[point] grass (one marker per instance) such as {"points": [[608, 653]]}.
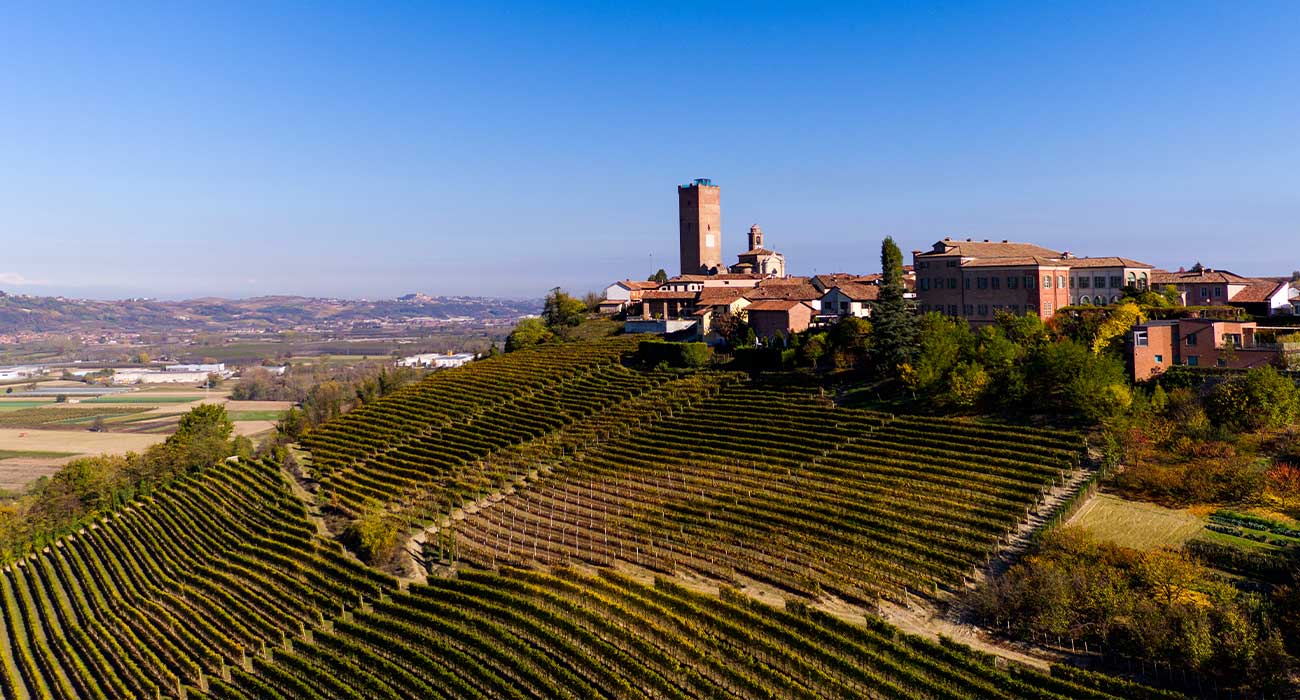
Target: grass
{"points": [[1142, 526], [15, 405], [10, 454], [256, 415], [144, 398]]}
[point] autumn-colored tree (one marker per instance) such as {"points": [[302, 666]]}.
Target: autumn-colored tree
{"points": [[1118, 322]]}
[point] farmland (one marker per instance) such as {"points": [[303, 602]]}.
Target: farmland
{"points": [[567, 504]]}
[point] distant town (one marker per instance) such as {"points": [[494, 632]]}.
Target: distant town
{"points": [[1217, 317]]}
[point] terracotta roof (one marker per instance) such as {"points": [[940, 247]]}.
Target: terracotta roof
{"points": [[773, 305], [771, 281], [1018, 261], [798, 291], [858, 291], [1258, 290], [758, 251], [717, 296], [1206, 276], [989, 249], [1111, 261], [668, 295], [736, 276]]}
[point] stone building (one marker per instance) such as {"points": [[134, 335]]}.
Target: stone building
{"points": [[978, 279], [758, 259], [699, 208]]}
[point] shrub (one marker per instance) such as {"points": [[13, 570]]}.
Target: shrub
{"points": [[1261, 398], [654, 352]]}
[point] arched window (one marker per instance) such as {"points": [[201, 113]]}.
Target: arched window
{"points": [[1100, 300], [1132, 277], [1083, 301], [1114, 299], [1142, 281]]}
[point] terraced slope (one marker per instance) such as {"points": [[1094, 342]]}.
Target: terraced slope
{"points": [[776, 486], [218, 586]]}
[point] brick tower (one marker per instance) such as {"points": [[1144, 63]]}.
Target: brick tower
{"points": [[699, 207]]}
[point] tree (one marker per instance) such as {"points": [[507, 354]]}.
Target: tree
{"points": [[658, 277], [1119, 321], [527, 333], [97, 425], [893, 322], [591, 300], [943, 342], [141, 358], [732, 328], [1261, 398], [562, 310]]}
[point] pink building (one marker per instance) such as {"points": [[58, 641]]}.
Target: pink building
{"points": [[1198, 342]]}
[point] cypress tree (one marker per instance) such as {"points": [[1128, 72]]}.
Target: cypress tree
{"points": [[893, 323]]}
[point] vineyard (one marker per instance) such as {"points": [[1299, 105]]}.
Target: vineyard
{"points": [[218, 587], [61, 416], [564, 493]]}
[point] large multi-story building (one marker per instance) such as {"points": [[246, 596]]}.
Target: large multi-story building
{"points": [[977, 280], [699, 208], [1101, 281], [1203, 342]]}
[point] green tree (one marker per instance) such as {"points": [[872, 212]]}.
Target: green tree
{"points": [[894, 324], [562, 310], [527, 333], [1261, 398], [658, 277], [943, 342]]}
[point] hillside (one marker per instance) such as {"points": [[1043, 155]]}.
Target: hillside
{"points": [[220, 585], [20, 313]]}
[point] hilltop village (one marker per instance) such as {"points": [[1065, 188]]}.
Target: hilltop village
{"points": [[975, 280]]}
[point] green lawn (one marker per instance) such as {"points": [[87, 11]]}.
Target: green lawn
{"points": [[256, 415], [1137, 525], [10, 454], [144, 398]]}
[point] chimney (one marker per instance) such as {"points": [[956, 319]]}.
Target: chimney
{"points": [[1180, 269], [1005, 240], [986, 240]]}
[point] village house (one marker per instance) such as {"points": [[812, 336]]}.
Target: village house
{"points": [[772, 318], [849, 299], [1201, 342], [623, 294]]}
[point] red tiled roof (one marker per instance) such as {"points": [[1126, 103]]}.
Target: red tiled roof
{"points": [[773, 305], [717, 296], [1206, 276], [1258, 290], [798, 291], [668, 296], [858, 291], [1018, 261], [989, 249], [1111, 261]]}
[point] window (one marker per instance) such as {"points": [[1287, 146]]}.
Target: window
{"points": [[952, 309], [1205, 292], [844, 307], [968, 310], [1222, 362], [1160, 359], [1047, 308], [995, 281], [1234, 338], [1099, 282], [924, 265], [966, 282], [952, 263], [984, 310], [1140, 340], [1047, 281], [1029, 281], [1142, 281], [1218, 291], [982, 282], [1116, 281], [1193, 361], [1072, 281], [1011, 282], [925, 283], [1191, 339], [952, 283], [1060, 281], [1085, 283]]}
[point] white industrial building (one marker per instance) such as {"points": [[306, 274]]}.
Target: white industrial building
{"points": [[212, 367], [434, 360]]}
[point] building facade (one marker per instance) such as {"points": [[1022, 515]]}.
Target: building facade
{"points": [[1101, 281], [1198, 342], [699, 208], [977, 280], [758, 259]]}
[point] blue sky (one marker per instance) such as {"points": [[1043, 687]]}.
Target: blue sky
{"points": [[371, 149]]}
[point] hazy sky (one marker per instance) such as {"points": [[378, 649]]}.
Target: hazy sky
{"points": [[371, 149]]}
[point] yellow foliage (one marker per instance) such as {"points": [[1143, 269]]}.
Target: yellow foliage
{"points": [[1119, 321]]}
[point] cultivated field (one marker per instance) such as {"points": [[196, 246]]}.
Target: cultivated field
{"points": [[1137, 525]]}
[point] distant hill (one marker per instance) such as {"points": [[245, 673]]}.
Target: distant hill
{"points": [[54, 314]]}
